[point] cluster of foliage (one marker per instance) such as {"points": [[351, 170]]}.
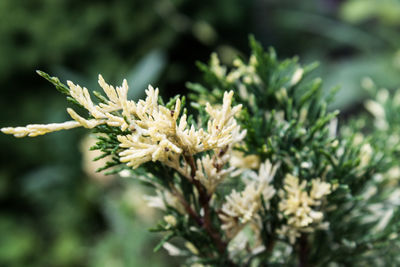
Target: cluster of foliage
{"points": [[350, 38], [74, 40], [361, 209], [266, 178]]}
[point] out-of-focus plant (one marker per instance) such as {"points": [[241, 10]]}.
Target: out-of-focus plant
{"points": [[350, 38], [86, 37], [357, 11], [261, 175]]}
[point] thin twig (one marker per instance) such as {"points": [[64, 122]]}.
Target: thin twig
{"points": [[303, 251], [186, 205], [204, 199]]}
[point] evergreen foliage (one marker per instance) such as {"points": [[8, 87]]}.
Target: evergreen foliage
{"points": [[296, 190]]}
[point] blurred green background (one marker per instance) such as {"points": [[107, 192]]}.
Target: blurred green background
{"points": [[55, 211]]}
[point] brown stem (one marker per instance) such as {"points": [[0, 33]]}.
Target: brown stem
{"points": [[221, 153], [186, 205], [303, 251], [204, 199], [270, 246]]}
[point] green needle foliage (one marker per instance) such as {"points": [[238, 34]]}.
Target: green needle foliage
{"points": [[267, 179]]}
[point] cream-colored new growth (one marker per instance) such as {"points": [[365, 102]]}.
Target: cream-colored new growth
{"points": [[210, 171], [242, 207], [152, 130], [299, 206], [33, 130]]}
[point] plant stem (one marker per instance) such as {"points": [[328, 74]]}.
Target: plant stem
{"points": [[204, 200], [186, 205], [303, 251]]}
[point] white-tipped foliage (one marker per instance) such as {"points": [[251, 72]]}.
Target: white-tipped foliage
{"points": [[154, 133]]}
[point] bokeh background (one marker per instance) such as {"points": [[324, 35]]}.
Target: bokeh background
{"points": [[54, 209]]}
